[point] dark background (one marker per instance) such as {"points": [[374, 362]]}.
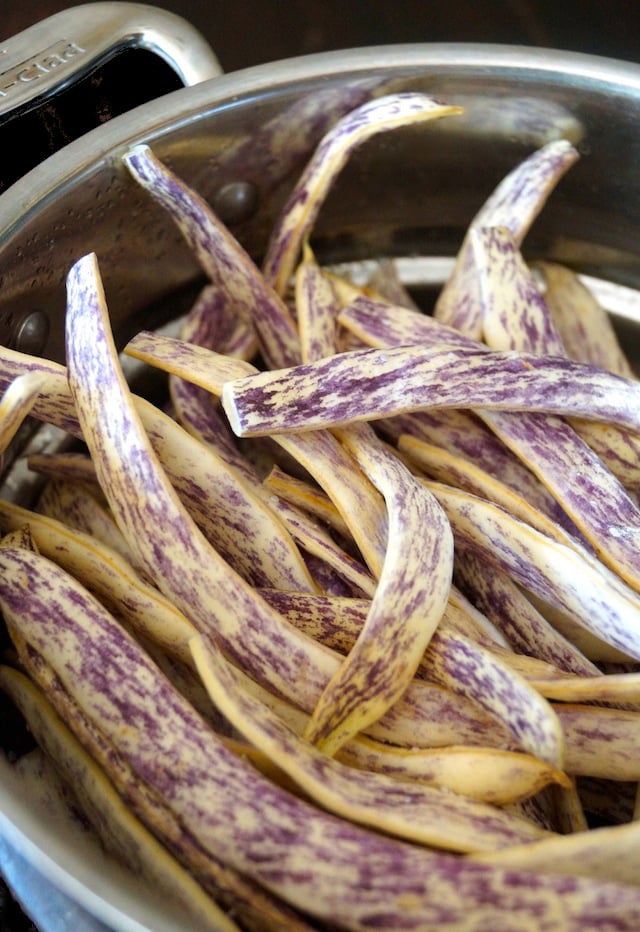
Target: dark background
{"points": [[249, 32]]}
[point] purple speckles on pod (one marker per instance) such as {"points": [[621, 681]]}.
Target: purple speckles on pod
{"points": [[515, 316], [300, 212], [566, 577], [371, 383], [514, 204], [471, 670], [234, 812], [229, 267], [415, 580]]}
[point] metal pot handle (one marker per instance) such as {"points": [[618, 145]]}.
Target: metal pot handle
{"points": [[78, 68]]}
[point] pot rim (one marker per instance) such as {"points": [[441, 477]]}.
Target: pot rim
{"points": [[191, 103]]}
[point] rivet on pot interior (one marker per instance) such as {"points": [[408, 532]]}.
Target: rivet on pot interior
{"points": [[31, 333], [236, 201]]}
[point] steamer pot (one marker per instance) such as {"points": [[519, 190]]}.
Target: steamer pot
{"points": [[410, 193], [240, 139]]}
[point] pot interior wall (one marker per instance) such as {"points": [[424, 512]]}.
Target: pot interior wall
{"points": [[407, 193]]}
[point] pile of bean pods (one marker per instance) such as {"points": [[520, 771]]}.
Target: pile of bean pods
{"points": [[347, 635]]}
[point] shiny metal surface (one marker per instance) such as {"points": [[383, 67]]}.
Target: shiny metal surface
{"points": [[66, 74], [46, 56], [407, 193]]}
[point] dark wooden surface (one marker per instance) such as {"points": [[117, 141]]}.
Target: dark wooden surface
{"points": [[248, 32]]}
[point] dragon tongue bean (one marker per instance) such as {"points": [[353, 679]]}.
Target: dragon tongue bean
{"points": [[278, 676]]}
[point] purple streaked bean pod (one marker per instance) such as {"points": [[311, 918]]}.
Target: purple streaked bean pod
{"points": [[386, 282], [72, 466], [380, 324], [467, 668], [611, 852], [371, 383], [600, 742], [488, 774], [53, 406], [82, 509], [618, 449], [298, 215], [212, 322], [516, 317], [341, 873], [526, 629], [316, 310], [268, 154], [408, 604], [226, 263], [569, 580], [414, 811], [148, 347], [586, 329], [514, 204], [16, 403], [514, 312], [587, 490], [614, 688]]}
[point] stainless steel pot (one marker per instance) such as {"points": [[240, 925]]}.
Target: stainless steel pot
{"points": [[410, 193], [240, 140]]}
